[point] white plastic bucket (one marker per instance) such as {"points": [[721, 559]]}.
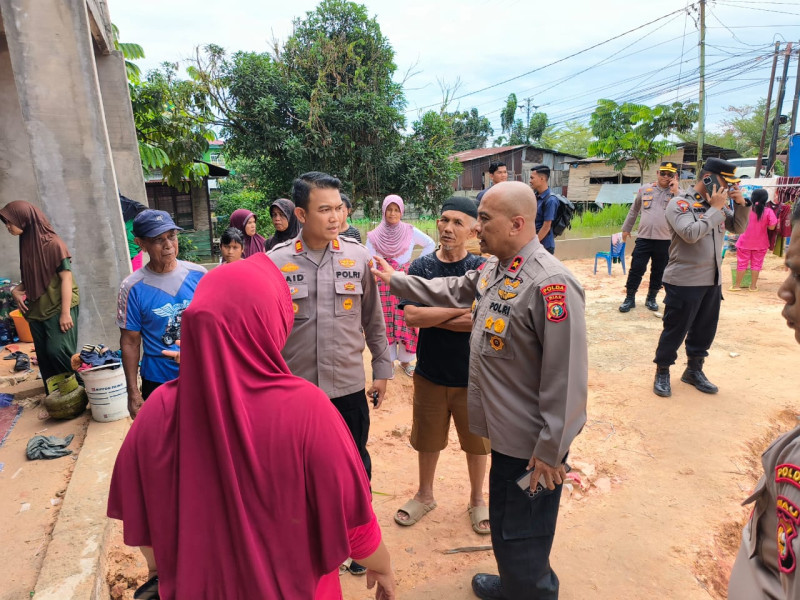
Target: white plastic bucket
{"points": [[107, 391]]}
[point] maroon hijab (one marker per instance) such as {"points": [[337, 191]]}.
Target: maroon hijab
{"points": [[40, 249], [253, 244], [242, 477]]}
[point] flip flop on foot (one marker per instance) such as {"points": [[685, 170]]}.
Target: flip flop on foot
{"points": [[408, 368], [734, 288], [478, 515], [415, 511]]}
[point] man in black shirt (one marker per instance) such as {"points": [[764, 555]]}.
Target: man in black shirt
{"points": [[440, 379]]}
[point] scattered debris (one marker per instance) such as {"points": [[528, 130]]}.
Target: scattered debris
{"points": [[468, 549], [24, 506], [733, 354]]}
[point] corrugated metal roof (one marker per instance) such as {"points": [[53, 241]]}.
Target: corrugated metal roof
{"points": [[468, 155]]}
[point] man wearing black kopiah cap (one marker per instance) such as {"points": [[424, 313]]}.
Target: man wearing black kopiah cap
{"points": [[440, 379], [652, 242], [693, 277], [150, 304]]}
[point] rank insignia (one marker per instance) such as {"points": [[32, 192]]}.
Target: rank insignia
{"points": [[347, 262], [335, 245], [347, 304], [506, 295], [298, 247], [788, 516], [289, 267], [496, 343], [697, 205], [499, 325], [295, 307], [649, 190], [683, 205], [480, 267], [516, 264], [483, 283], [350, 286], [489, 323], [474, 304]]}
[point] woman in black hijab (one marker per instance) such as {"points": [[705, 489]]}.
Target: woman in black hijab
{"points": [[286, 224]]}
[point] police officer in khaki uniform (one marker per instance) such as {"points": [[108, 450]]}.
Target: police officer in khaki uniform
{"points": [[652, 243], [693, 277], [527, 387], [766, 566], [336, 306]]}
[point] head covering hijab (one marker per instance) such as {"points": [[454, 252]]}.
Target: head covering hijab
{"points": [[242, 477], [40, 249], [287, 208], [253, 244], [390, 241]]}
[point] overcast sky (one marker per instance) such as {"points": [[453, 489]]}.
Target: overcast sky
{"points": [[484, 43]]}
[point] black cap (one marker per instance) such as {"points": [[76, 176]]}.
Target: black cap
{"points": [[461, 204], [668, 165], [722, 167]]}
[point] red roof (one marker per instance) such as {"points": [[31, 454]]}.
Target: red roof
{"points": [[467, 155]]}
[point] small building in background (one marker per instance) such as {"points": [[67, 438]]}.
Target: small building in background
{"points": [[594, 181], [191, 209], [519, 161]]}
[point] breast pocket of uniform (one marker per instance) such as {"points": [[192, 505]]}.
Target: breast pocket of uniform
{"points": [[647, 202], [348, 298], [497, 335], [300, 307]]}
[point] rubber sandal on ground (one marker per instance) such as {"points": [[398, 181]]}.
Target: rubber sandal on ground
{"points": [[356, 569], [479, 514], [753, 289], [23, 362], [415, 511], [734, 288], [408, 368], [148, 590]]}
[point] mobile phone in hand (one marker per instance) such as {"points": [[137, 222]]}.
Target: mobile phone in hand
{"points": [[709, 183], [524, 483], [375, 398]]}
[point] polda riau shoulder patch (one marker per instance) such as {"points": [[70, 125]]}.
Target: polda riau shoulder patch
{"points": [[555, 295], [788, 517], [683, 205], [788, 473]]}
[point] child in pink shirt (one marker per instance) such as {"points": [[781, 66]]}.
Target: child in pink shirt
{"points": [[752, 245]]}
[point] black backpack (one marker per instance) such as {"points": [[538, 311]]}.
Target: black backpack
{"points": [[564, 214]]}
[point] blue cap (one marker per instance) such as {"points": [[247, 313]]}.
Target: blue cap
{"points": [[151, 223]]}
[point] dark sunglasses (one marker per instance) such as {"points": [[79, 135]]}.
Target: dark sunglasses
{"points": [[669, 174]]}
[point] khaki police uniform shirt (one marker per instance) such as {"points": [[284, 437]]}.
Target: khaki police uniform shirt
{"points": [[652, 202], [698, 233], [528, 366], [766, 566], [336, 306]]}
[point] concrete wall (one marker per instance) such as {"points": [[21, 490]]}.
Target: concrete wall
{"points": [[62, 113]]}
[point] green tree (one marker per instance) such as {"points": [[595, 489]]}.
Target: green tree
{"points": [[632, 131], [426, 172], [470, 130], [172, 118], [573, 137], [326, 100], [518, 131]]}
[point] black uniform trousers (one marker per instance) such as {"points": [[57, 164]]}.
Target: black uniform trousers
{"points": [[522, 532], [654, 251], [690, 312], [355, 412]]}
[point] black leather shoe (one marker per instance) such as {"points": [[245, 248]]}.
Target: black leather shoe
{"points": [[699, 380], [356, 569], [148, 590], [487, 587], [661, 385], [628, 303], [651, 303]]}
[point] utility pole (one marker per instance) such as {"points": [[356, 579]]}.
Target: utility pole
{"points": [[528, 114], [776, 122], [793, 128], [766, 111], [701, 125]]}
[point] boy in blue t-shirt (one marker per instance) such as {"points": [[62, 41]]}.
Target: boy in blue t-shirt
{"points": [[150, 304]]}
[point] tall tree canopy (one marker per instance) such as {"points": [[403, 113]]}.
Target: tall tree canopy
{"points": [[573, 137], [470, 130], [632, 131], [325, 100], [519, 131]]}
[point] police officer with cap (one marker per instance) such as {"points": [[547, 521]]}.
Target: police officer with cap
{"points": [[652, 243], [693, 277]]}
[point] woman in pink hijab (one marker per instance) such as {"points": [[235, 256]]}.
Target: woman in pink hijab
{"points": [[394, 241], [238, 479]]}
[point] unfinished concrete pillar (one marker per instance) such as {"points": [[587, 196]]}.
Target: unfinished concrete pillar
{"points": [[53, 63]]}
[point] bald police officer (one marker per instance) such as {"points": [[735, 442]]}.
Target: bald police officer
{"points": [[652, 243], [693, 277], [527, 386], [766, 566], [334, 297]]}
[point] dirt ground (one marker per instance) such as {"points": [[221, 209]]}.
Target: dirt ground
{"points": [[30, 491], [656, 512]]}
